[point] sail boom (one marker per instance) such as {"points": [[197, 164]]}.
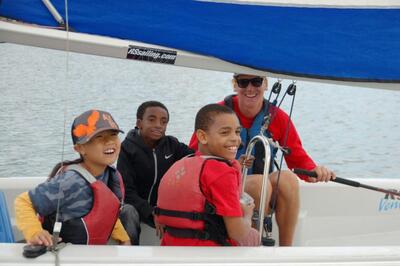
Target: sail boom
{"points": [[32, 35]]}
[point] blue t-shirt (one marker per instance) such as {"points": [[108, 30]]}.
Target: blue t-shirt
{"points": [[74, 192]]}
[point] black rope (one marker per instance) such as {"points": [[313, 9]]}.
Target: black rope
{"points": [[291, 90]]}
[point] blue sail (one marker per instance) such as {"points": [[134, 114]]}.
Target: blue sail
{"points": [[6, 233], [355, 44]]}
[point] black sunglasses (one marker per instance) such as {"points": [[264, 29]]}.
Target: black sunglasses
{"points": [[243, 83]]}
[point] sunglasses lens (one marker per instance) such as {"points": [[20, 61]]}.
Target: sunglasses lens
{"points": [[243, 83], [256, 82]]}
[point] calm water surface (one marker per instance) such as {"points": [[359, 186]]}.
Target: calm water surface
{"points": [[354, 131]]}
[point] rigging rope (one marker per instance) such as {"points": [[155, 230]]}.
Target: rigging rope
{"points": [[57, 225], [291, 90]]}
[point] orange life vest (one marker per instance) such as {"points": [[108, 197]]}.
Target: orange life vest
{"points": [[183, 208]]}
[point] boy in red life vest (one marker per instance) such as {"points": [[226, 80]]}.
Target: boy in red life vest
{"points": [[199, 196]]}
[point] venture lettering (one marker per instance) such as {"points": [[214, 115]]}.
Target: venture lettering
{"points": [[389, 202]]}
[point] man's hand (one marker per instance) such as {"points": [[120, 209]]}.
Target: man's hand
{"points": [[324, 174]]}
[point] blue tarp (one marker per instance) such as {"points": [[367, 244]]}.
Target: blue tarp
{"points": [[343, 44], [6, 233]]}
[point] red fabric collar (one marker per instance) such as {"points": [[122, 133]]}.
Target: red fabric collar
{"points": [[245, 121]]}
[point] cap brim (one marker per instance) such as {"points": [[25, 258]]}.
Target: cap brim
{"points": [[88, 138], [238, 74]]}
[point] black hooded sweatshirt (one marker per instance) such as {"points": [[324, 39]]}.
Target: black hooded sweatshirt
{"points": [[142, 169]]}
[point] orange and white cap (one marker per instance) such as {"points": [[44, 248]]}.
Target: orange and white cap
{"points": [[90, 123]]}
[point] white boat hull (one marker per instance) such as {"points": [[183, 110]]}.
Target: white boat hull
{"points": [[10, 254], [331, 214]]}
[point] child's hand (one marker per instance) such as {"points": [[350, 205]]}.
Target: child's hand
{"points": [[247, 162], [125, 243], [42, 238], [160, 228], [247, 209]]}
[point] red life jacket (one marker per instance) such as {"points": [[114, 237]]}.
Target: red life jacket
{"points": [[183, 208], [95, 227]]}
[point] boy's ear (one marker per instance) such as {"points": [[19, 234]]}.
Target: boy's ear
{"points": [[201, 136], [139, 123]]}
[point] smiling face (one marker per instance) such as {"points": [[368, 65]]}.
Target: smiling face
{"points": [[222, 138], [250, 97], [153, 125], [100, 151]]}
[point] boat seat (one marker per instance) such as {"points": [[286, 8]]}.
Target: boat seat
{"points": [[6, 232]]}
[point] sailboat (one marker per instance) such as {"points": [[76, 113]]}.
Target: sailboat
{"points": [[338, 42]]}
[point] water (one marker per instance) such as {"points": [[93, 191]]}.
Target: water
{"points": [[353, 131]]}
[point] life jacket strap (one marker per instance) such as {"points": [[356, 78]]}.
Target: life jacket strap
{"points": [[180, 214], [188, 233], [83, 172], [214, 229]]}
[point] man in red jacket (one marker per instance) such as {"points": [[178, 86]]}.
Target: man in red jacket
{"points": [[251, 108]]}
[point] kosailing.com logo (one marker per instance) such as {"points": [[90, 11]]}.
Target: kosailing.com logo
{"points": [[389, 202]]}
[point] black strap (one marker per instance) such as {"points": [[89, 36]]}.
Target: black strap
{"points": [[181, 214], [228, 101], [214, 227], [188, 233], [209, 209]]}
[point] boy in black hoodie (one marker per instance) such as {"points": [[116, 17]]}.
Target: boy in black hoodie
{"points": [[146, 154]]}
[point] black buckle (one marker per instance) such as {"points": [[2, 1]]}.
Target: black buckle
{"points": [[286, 150], [209, 209], [202, 235], [197, 216]]}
